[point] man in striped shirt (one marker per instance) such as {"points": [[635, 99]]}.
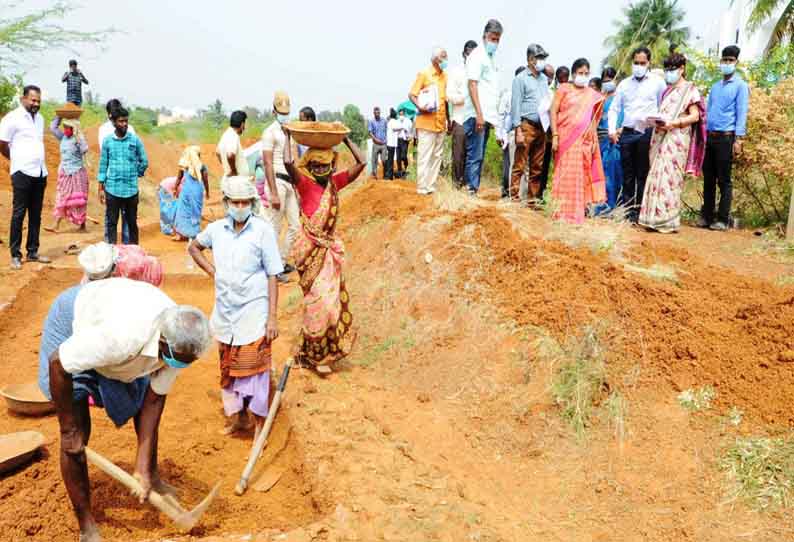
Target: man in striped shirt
{"points": [[74, 80], [122, 162]]}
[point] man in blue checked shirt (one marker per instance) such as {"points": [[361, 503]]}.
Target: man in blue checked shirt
{"points": [[729, 102], [122, 162]]}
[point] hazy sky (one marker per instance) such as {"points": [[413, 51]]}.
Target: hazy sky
{"points": [[324, 53]]}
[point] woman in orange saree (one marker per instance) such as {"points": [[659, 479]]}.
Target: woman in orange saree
{"points": [[578, 172], [319, 255]]}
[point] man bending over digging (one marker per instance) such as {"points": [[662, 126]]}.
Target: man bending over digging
{"points": [[123, 343]]}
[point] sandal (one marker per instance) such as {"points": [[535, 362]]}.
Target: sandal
{"points": [[72, 250]]}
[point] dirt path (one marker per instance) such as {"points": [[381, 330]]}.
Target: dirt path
{"points": [[440, 426]]}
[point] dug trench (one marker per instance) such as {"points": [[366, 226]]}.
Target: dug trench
{"points": [[441, 425]]}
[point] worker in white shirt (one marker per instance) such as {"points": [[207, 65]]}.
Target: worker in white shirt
{"points": [[121, 342], [638, 97], [229, 150], [457, 91], [405, 136]]}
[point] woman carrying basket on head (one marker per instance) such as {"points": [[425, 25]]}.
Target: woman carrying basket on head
{"points": [[71, 200], [319, 254]]}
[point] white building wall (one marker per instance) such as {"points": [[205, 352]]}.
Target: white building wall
{"points": [[732, 24]]}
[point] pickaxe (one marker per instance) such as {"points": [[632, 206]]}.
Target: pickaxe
{"points": [[166, 504]]}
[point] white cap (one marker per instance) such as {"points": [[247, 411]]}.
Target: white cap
{"points": [[97, 260]]}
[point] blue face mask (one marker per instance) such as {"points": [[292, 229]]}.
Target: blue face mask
{"points": [[444, 64], [609, 86], [491, 47], [540, 65], [672, 77], [282, 119], [240, 214], [728, 69], [171, 361]]}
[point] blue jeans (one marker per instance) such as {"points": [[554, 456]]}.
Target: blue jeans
{"points": [[475, 153]]}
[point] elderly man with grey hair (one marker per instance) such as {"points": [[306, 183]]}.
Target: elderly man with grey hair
{"points": [[429, 95], [123, 343]]}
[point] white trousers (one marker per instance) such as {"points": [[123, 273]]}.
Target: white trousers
{"points": [[429, 150], [289, 210]]}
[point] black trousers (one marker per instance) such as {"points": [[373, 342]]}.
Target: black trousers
{"points": [[402, 157], [128, 208], [717, 169], [635, 150], [28, 199], [388, 170], [544, 173]]}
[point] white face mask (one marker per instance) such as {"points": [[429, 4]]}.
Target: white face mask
{"points": [[609, 86], [239, 214], [672, 76], [540, 65], [282, 119], [639, 71], [581, 80]]}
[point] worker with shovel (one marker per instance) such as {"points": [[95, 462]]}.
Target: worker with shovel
{"points": [[123, 343]]}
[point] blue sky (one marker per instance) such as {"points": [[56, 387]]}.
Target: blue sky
{"points": [[325, 54]]}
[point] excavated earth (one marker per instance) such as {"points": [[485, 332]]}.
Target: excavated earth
{"points": [[441, 424]]}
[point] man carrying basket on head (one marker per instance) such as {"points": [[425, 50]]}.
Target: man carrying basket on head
{"points": [[319, 254]]}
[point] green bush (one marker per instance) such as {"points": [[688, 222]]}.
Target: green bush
{"points": [[9, 86]]}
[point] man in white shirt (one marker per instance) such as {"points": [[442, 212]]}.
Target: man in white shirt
{"points": [[482, 101], [22, 142], [638, 97], [105, 130], [457, 92], [281, 194], [405, 136], [121, 342], [229, 151]]}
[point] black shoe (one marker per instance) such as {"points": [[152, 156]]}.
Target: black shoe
{"points": [[703, 223], [288, 269], [283, 278], [16, 263], [36, 258]]}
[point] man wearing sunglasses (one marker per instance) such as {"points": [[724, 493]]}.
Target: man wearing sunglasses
{"points": [[123, 343]]}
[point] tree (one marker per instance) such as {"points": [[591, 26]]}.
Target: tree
{"points": [[329, 116], [764, 10], [648, 23], [24, 35], [214, 114], [354, 120]]}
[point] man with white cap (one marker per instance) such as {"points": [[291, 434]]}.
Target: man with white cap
{"points": [[102, 260], [122, 343], [245, 264], [281, 194]]}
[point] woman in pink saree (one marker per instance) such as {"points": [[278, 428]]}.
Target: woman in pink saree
{"points": [[578, 172], [678, 148], [319, 255]]}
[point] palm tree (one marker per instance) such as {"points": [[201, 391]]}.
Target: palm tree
{"points": [[763, 10], [650, 23]]}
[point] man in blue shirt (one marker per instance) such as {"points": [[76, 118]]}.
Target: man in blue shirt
{"points": [[122, 162], [530, 87], [377, 131], [729, 102]]}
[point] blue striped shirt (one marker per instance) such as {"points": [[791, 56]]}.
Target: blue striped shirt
{"points": [[121, 163]]}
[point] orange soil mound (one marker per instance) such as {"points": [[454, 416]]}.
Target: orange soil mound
{"points": [[712, 327]]}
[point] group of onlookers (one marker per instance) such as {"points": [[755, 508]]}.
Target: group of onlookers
{"points": [[390, 139], [627, 145]]}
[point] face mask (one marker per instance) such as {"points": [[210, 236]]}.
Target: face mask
{"points": [[171, 361], [672, 77], [639, 71], [282, 119], [444, 64], [728, 69], [491, 47], [68, 131], [240, 214], [581, 81], [609, 86], [540, 65]]}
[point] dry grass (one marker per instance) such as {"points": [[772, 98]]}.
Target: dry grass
{"points": [[580, 379], [450, 199], [761, 471], [697, 399], [665, 273]]}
